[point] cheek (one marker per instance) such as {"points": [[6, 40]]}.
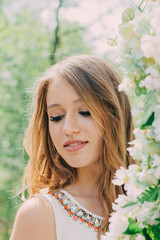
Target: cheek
{"points": [[54, 133], [97, 136], [95, 130]]}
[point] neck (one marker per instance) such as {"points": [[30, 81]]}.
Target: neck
{"points": [[86, 183]]}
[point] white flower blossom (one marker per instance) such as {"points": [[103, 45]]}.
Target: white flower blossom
{"points": [[139, 56], [146, 212], [126, 85], [122, 201], [110, 236], [152, 220], [142, 24], [103, 237], [156, 122], [118, 224], [120, 176], [137, 143], [133, 188], [126, 31], [150, 133], [156, 164], [127, 177], [152, 81], [155, 19], [147, 177], [134, 48], [150, 47], [140, 237], [136, 151], [142, 146], [137, 2]]}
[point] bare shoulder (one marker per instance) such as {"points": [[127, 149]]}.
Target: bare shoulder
{"points": [[34, 220]]}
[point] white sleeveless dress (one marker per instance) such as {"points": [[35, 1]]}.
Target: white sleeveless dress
{"points": [[72, 220]]}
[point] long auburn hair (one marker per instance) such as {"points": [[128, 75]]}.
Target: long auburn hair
{"points": [[96, 82]]}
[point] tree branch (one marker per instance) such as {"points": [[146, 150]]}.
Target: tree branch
{"points": [[56, 39]]}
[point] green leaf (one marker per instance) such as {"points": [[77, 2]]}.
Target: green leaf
{"points": [[149, 121], [150, 101], [152, 232], [150, 195], [149, 159], [139, 91], [133, 228], [128, 15], [129, 204], [145, 233]]}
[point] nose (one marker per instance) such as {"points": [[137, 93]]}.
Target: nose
{"points": [[71, 125]]}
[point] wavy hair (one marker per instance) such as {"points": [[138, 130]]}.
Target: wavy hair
{"points": [[96, 82]]}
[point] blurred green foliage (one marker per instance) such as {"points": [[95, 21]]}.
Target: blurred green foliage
{"points": [[24, 54]]}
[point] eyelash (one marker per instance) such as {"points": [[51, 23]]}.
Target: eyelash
{"points": [[85, 113], [58, 118]]}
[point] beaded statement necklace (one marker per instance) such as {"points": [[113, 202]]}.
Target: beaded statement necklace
{"points": [[75, 212]]}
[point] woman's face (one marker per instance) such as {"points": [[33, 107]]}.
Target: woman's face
{"points": [[72, 129]]}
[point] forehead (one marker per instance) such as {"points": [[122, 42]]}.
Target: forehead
{"points": [[59, 89]]}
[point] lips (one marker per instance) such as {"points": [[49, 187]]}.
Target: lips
{"points": [[74, 145]]}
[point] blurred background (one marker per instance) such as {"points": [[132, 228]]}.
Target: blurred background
{"points": [[35, 34]]}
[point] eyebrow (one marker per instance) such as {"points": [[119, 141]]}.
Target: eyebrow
{"points": [[58, 105]]}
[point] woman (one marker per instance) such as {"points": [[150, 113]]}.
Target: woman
{"points": [[76, 140]]}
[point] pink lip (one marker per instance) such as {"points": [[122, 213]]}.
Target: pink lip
{"points": [[74, 148]]}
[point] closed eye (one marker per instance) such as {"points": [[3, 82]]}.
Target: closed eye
{"points": [[56, 118], [85, 113]]}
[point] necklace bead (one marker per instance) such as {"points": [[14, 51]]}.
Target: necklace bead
{"points": [[76, 212]]}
